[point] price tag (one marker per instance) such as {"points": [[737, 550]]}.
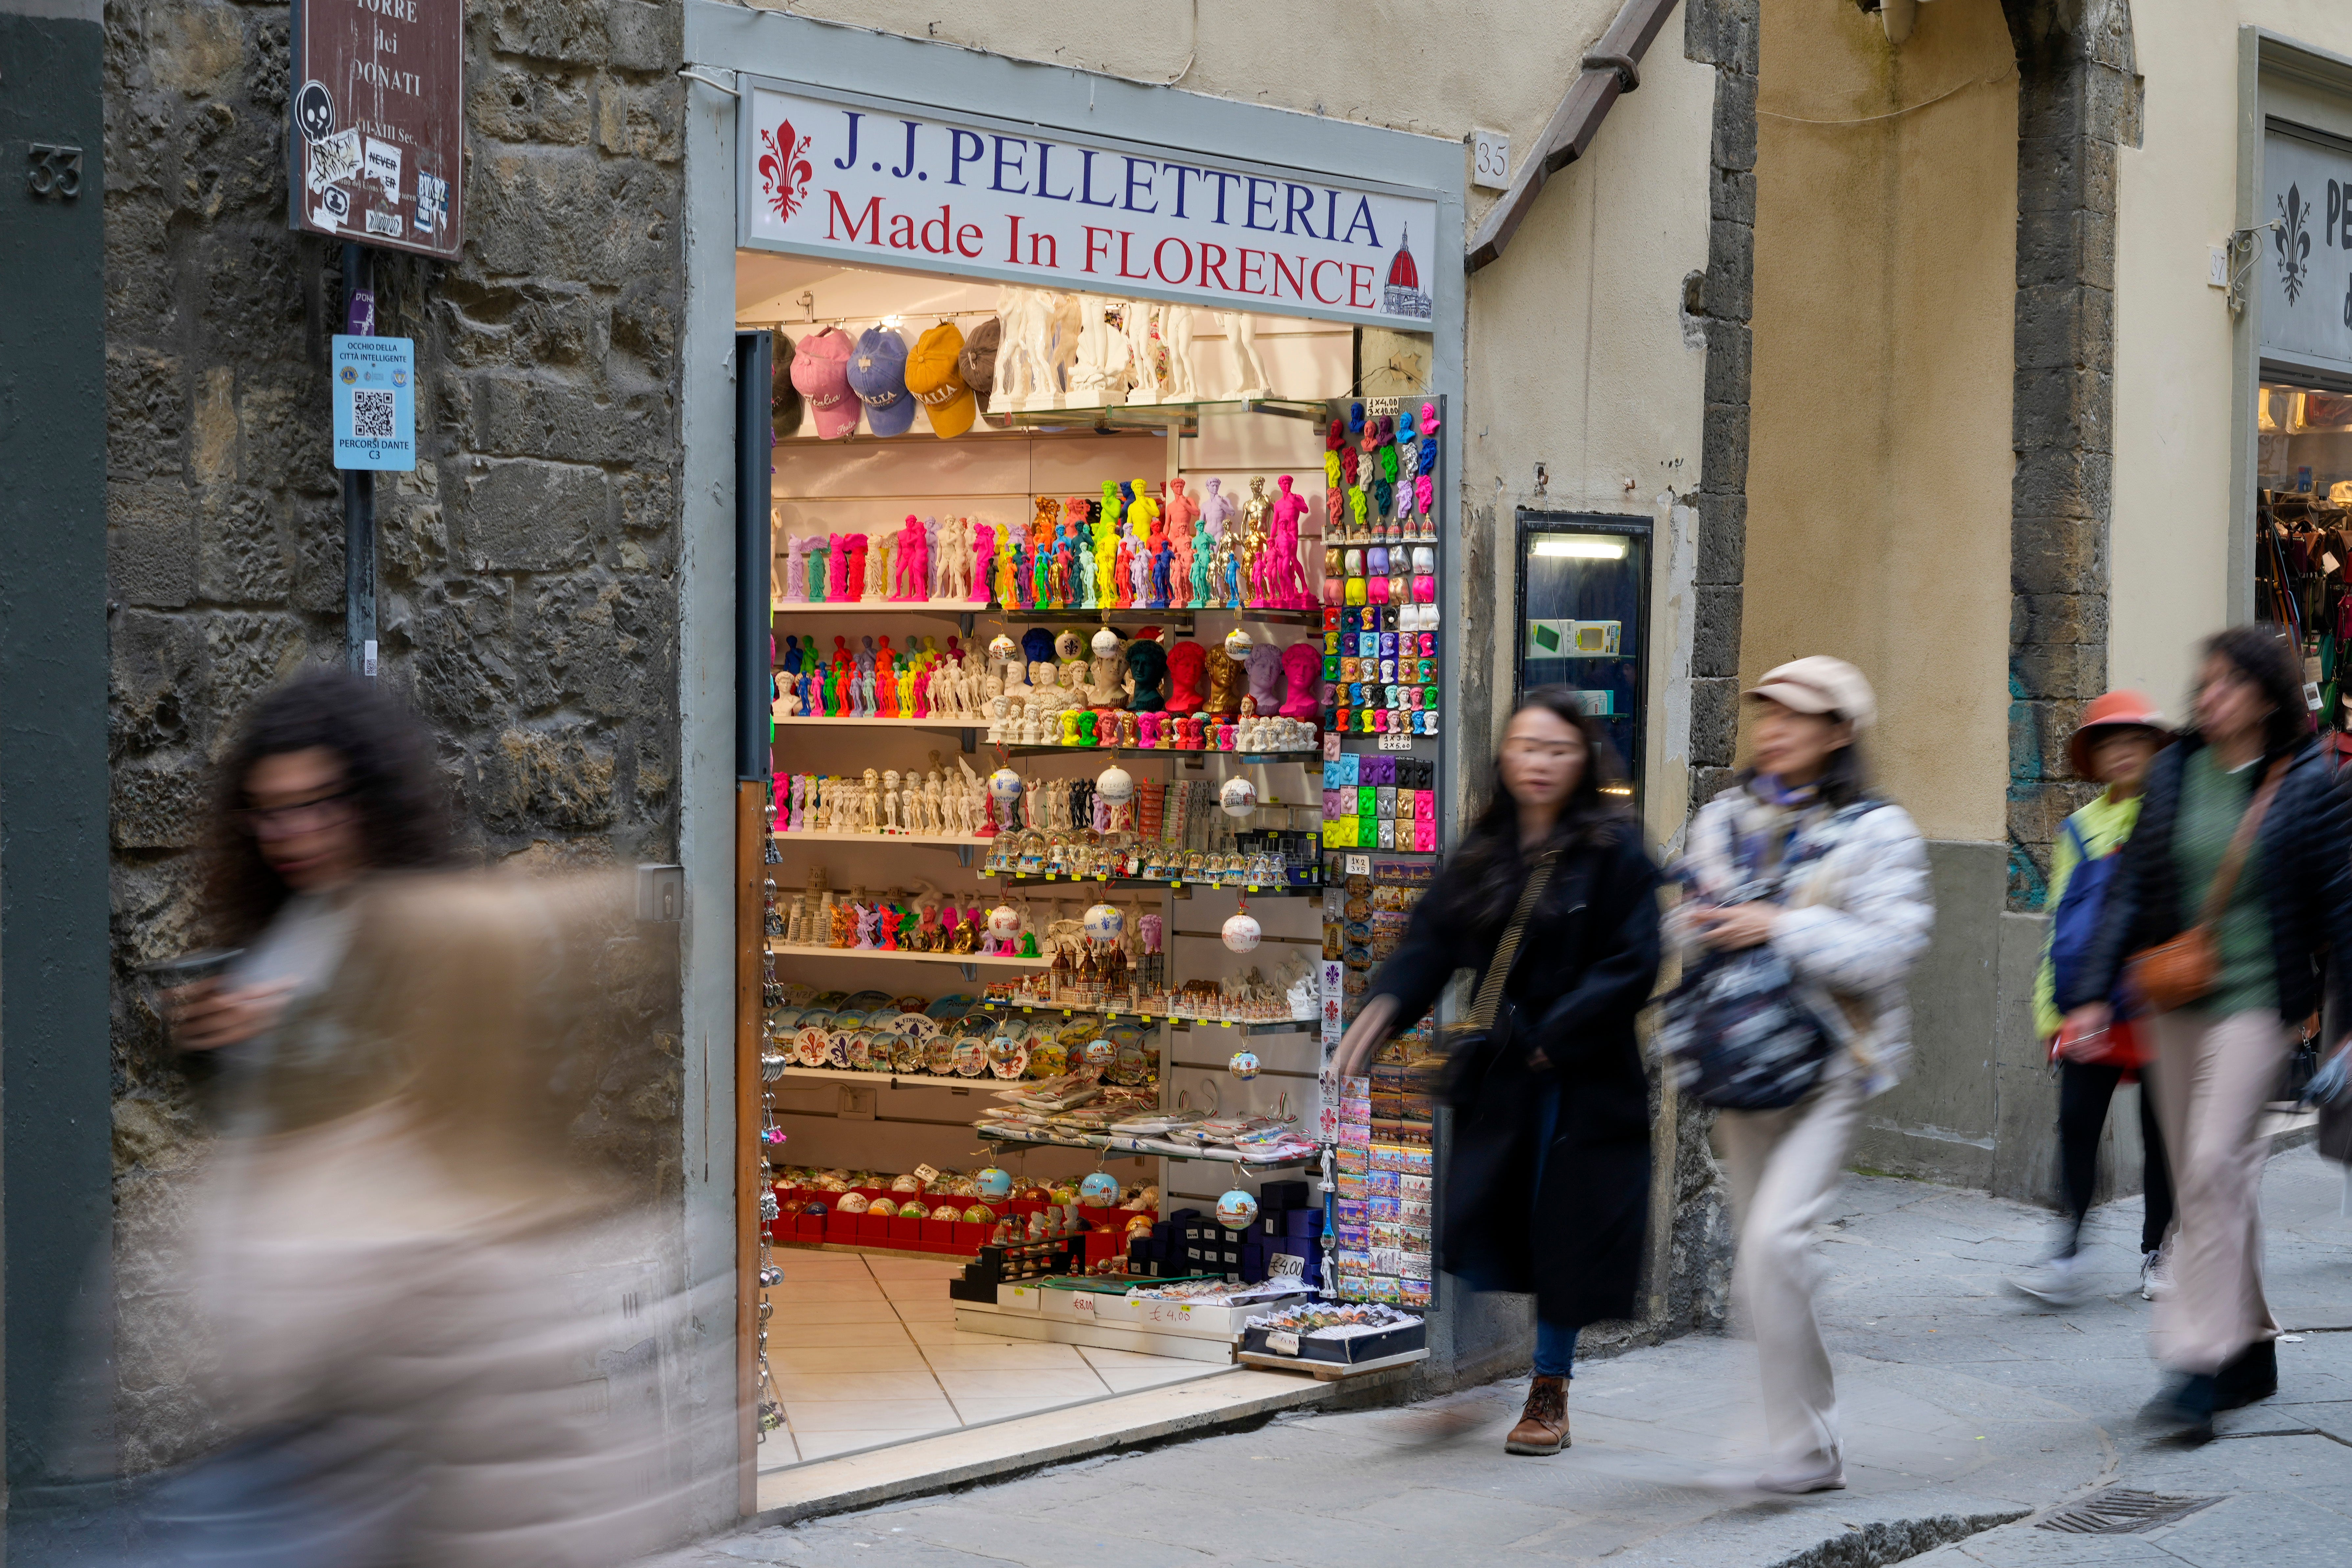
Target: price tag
{"points": [[1360, 865], [1392, 740], [1281, 1341], [928, 1173], [1083, 1303]]}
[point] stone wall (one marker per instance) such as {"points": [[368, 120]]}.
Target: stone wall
{"points": [[527, 567]]}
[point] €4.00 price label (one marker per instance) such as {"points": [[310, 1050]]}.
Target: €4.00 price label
{"points": [[375, 403]]}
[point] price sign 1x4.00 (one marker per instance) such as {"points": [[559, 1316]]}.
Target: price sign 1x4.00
{"points": [[375, 403]]}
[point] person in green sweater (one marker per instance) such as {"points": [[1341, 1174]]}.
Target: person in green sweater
{"points": [[2120, 735]]}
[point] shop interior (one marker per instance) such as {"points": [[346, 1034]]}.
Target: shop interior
{"points": [[1584, 586], [2304, 526], [1047, 919]]}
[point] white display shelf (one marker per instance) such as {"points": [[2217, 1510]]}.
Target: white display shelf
{"points": [[819, 721], [895, 1079], [968, 960], [879, 606], [929, 840]]}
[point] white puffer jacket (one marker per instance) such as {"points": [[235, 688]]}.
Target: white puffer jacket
{"points": [[1852, 926]]}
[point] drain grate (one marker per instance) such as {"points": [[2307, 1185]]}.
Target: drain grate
{"points": [[2119, 1510]]}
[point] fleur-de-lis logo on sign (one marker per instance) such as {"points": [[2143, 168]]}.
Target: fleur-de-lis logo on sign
{"points": [[784, 169], [2294, 242]]}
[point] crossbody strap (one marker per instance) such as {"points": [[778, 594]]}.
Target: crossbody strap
{"points": [[2233, 861], [1489, 1000]]}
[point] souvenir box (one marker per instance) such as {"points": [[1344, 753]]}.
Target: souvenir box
{"points": [[1343, 1350]]}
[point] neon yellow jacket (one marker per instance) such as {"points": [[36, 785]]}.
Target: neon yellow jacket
{"points": [[2103, 824]]}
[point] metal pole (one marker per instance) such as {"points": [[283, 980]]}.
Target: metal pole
{"points": [[359, 512]]}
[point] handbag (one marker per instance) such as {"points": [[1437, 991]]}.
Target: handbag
{"points": [[1741, 1035], [1475, 1046], [2179, 974]]}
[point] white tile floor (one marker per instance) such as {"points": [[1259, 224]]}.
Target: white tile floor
{"points": [[866, 1352]]}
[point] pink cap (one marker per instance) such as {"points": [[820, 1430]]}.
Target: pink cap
{"points": [[821, 371]]}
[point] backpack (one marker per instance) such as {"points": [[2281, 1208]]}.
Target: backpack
{"points": [[2081, 909]]}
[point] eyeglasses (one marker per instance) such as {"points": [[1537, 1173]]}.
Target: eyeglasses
{"points": [[303, 816]]}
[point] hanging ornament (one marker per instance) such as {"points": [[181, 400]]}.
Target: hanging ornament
{"points": [[1099, 1190], [1237, 796], [1104, 923], [1237, 644], [1114, 786], [1243, 1065], [994, 1185], [1002, 648], [1242, 930], [1003, 924], [1099, 1054], [1004, 786], [1106, 643], [1237, 1210]]}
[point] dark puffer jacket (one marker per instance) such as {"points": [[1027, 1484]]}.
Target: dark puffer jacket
{"points": [[2305, 872]]}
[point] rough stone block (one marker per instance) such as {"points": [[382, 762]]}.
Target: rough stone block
{"points": [[2057, 555], [644, 37], [529, 516], [146, 413], [568, 215], [157, 805], [647, 122], [249, 651], [515, 103], [154, 662], [643, 325], [559, 779], [151, 544], [1722, 536], [594, 644], [2062, 326], [1732, 197], [1715, 722], [461, 643], [2061, 481], [318, 568], [1732, 144], [2058, 618], [1714, 639], [2037, 732], [194, 50], [2063, 406], [564, 420], [240, 554], [287, 433], [1722, 33], [1722, 448], [2061, 670], [1730, 270], [1729, 357], [562, 31]]}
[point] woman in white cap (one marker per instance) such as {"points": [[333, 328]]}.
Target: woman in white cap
{"points": [[1845, 908]]}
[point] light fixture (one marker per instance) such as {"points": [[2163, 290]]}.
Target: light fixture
{"points": [[1583, 547]]}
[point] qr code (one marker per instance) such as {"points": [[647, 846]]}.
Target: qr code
{"points": [[371, 415]]}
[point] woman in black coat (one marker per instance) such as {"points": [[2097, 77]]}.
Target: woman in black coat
{"points": [[1548, 1173]]}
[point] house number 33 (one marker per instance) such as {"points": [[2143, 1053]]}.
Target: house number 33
{"points": [[54, 171]]}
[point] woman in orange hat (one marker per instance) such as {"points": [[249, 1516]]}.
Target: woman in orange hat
{"points": [[2120, 735]]}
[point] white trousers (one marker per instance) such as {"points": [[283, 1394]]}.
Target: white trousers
{"points": [[1786, 1167], [2214, 1073]]}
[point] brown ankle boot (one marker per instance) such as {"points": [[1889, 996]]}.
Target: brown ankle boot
{"points": [[1543, 1425]]}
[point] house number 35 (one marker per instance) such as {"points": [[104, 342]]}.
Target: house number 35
{"points": [[54, 171]]}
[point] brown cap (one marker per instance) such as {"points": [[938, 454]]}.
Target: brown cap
{"points": [[978, 360], [1820, 684]]}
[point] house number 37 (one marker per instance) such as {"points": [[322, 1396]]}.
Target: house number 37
{"points": [[54, 171]]}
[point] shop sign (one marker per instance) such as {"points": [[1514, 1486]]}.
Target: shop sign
{"points": [[873, 184], [375, 403], [376, 143], [2305, 257]]}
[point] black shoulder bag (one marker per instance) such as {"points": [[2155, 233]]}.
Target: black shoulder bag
{"points": [[1472, 1049]]}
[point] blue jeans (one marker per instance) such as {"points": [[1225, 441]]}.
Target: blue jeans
{"points": [[1555, 1342]]}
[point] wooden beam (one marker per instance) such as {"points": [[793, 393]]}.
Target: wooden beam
{"points": [[1609, 73]]}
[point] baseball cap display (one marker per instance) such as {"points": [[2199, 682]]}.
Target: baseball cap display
{"points": [[1820, 684], [821, 371], [877, 373], [938, 384], [977, 364], [784, 397]]}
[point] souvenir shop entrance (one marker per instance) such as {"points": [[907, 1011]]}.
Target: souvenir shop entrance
{"points": [[1106, 743]]}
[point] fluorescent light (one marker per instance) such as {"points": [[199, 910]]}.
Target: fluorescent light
{"points": [[1583, 547]]}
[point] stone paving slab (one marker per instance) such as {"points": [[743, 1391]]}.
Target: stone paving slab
{"points": [[1965, 1407]]}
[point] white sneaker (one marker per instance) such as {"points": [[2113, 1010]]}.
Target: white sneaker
{"points": [[2155, 1277], [2061, 1282]]}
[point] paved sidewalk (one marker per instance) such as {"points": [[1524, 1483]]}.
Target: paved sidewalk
{"points": [[1965, 1407]]}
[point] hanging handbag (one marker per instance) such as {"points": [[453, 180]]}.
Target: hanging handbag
{"points": [[1474, 1046], [1739, 1033], [2179, 974]]}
